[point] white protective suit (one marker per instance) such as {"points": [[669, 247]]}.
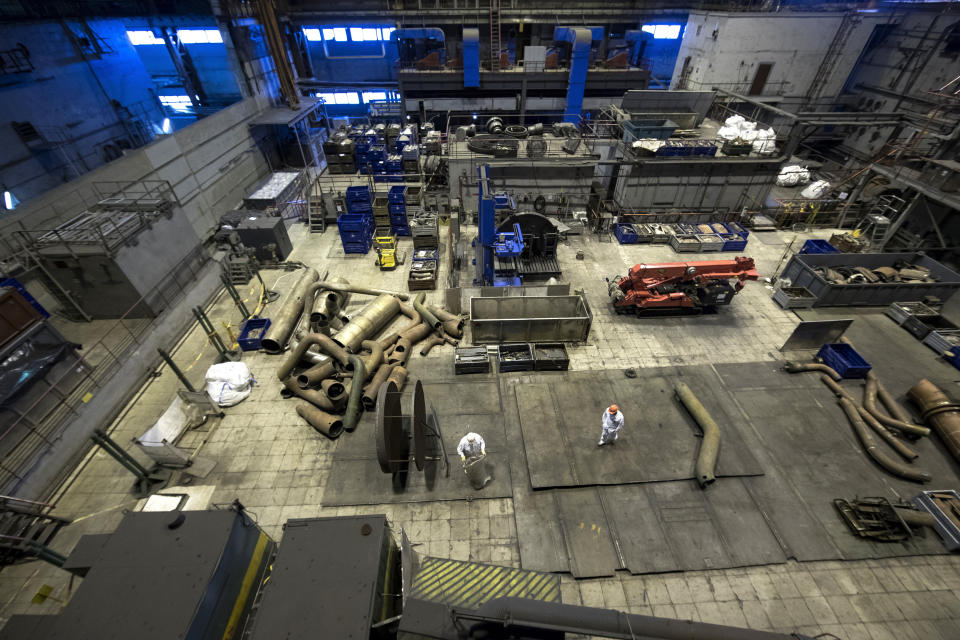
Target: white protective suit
{"points": [[611, 427], [471, 446]]}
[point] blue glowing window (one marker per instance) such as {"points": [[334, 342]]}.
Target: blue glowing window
{"points": [[664, 31]]}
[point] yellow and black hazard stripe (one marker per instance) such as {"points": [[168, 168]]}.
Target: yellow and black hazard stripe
{"points": [[468, 584]]}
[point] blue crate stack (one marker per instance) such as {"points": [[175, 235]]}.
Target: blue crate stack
{"points": [[625, 234], [394, 166], [356, 226], [397, 204]]}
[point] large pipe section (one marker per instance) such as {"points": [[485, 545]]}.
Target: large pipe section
{"points": [[500, 613], [316, 373], [426, 315], [283, 323], [800, 367], [326, 344], [893, 466], [940, 412], [329, 425], [902, 449], [354, 408], [870, 404], [369, 396], [452, 325], [317, 398], [374, 358], [328, 304], [371, 319], [710, 447], [430, 343]]}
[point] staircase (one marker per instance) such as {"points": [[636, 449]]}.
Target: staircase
{"points": [[316, 214], [495, 35], [830, 59], [26, 531], [875, 226]]}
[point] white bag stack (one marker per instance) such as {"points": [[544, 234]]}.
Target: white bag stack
{"points": [[766, 142], [816, 190], [793, 175], [228, 383]]}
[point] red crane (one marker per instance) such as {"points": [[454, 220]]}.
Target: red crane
{"points": [[680, 287]]}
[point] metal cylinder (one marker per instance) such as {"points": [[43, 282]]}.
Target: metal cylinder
{"points": [[369, 397], [710, 448], [409, 338], [354, 408], [316, 374], [371, 319], [326, 345], [375, 357], [317, 398], [879, 456], [916, 518], [334, 389], [426, 315], [870, 404], [888, 401], [940, 412], [398, 376], [799, 367], [327, 424], [283, 322], [328, 303], [430, 343]]}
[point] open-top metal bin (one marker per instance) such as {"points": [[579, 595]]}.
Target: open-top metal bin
{"points": [[530, 318]]}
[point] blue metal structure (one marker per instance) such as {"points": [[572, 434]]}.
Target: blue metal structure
{"points": [[490, 245], [581, 38], [471, 57], [418, 34], [636, 37]]}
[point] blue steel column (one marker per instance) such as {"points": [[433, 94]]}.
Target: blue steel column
{"points": [[581, 38], [471, 57], [486, 228]]}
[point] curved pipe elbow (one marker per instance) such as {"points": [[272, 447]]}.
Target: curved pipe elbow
{"points": [[354, 408], [430, 343], [710, 447], [870, 446], [870, 404], [428, 317], [800, 367], [326, 345], [323, 422]]}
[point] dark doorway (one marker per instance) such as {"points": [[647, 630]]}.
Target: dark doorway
{"points": [[684, 74], [760, 79]]}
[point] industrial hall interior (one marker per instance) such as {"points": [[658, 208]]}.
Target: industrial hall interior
{"points": [[479, 319]]}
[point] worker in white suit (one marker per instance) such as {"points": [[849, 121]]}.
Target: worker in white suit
{"points": [[471, 446], [612, 423]]}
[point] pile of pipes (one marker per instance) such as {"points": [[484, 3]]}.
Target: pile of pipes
{"points": [[868, 421], [336, 364], [899, 272]]}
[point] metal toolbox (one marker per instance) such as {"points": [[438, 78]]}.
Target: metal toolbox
{"points": [[471, 360], [550, 356], [515, 357]]}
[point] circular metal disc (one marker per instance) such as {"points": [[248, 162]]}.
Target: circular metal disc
{"points": [[391, 440], [419, 425]]}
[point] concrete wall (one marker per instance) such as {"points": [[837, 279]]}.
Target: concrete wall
{"points": [[66, 96], [210, 165], [726, 50]]}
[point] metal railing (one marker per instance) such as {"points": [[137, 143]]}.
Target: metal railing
{"points": [[29, 435]]}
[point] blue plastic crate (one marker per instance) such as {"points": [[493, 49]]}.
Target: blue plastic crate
{"points": [[353, 222], [358, 194], [397, 208], [400, 230], [844, 359], [733, 242], [357, 247], [397, 195], [252, 332], [426, 254], [15, 284], [818, 246], [735, 227], [625, 234], [359, 208]]}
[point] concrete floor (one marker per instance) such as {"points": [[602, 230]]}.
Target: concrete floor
{"points": [[277, 466]]}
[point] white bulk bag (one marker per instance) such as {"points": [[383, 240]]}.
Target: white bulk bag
{"points": [[228, 383]]}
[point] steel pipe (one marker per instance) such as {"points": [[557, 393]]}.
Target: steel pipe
{"points": [[409, 338], [888, 401], [800, 367], [430, 343], [327, 305], [326, 344], [916, 518], [371, 319], [710, 448], [334, 389], [354, 408], [512, 613], [870, 404], [398, 376], [329, 425], [939, 412], [369, 397], [283, 323], [316, 373], [894, 467], [897, 445], [452, 325], [425, 315], [317, 398], [374, 358], [352, 288]]}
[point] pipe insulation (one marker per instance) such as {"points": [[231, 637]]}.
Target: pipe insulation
{"points": [[608, 623], [897, 445], [710, 447], [863, 432], [283, 322], [940, 412], [870, 404], [368, 322]]}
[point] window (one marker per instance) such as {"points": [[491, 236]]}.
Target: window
{"points": [[356, 34], [387, 32], [348, 98], [369, 96], [328, 98], [313, 34], [138, 38], [663, 31], [177, 103], [9, 200], [340, 34], [199, 36]]}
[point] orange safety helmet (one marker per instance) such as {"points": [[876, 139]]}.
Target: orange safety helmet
{"points": [[613, 409]]}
